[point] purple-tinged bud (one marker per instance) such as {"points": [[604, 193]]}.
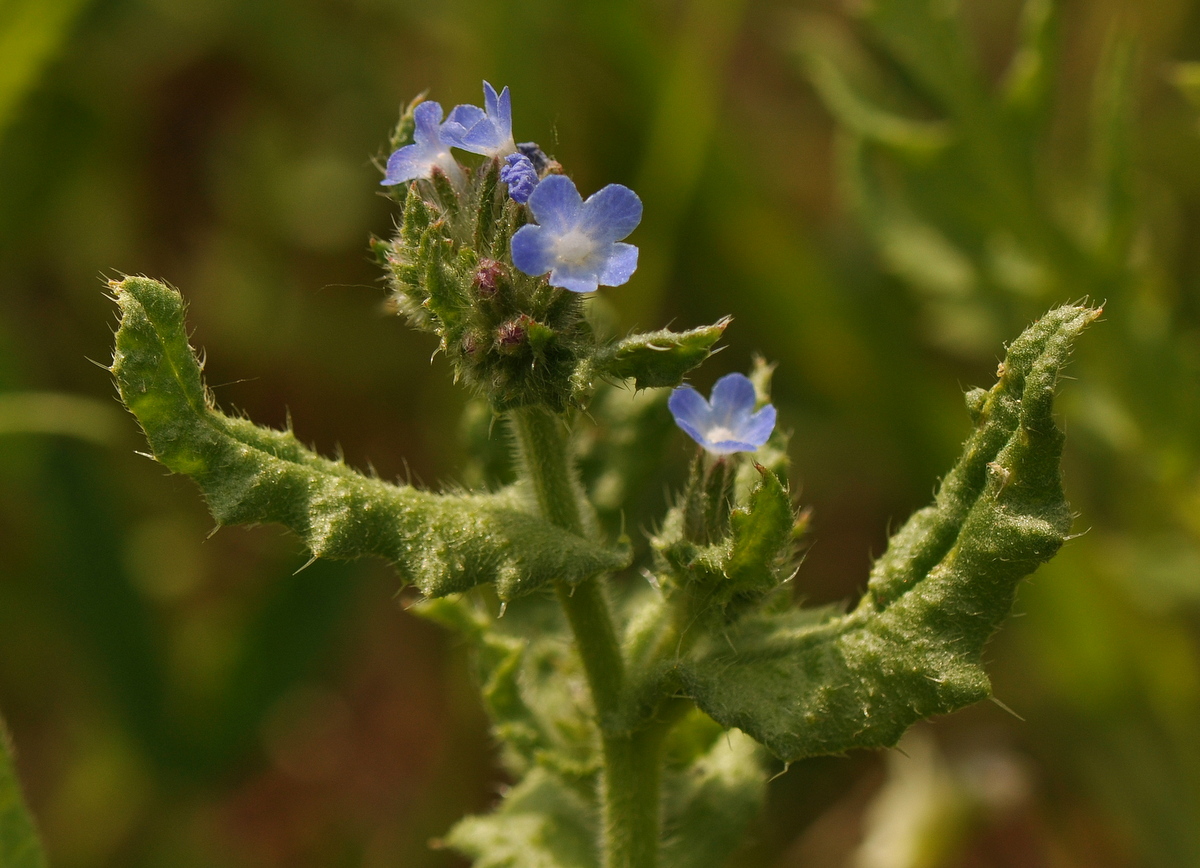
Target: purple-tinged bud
{"points": [[520, 176], [488, 276], [512, 335], [535, 155]]}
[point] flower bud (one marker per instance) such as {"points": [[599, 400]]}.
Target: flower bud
{"points": [[488, 277], [512, 335]]}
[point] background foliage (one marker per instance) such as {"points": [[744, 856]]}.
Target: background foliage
{"points": [[877, 208]]}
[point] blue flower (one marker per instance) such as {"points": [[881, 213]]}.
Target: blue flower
{"points": [[578, 242], [727, 425], [520, 175], [430, 150], [487, 130]]}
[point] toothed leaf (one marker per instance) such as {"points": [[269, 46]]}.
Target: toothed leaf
{"points": [[441, 543], [913, 646], [659, 359]]}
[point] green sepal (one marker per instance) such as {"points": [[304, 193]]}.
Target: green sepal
{"points": [[806, 684], [762, 535], [19, 844], [441, 543], [542, 823], [488, 207], [721, 555], [659, 359], [402, 134]]}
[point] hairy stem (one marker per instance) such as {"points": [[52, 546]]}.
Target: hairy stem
{"points": [[631, 758]]}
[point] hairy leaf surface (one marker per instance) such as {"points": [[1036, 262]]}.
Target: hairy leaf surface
{"points": [[913, 646], [441, 543]]}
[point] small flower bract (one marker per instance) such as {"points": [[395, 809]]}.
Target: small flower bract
{"points": [[429, 150], [487, 130], [579, 243], [728, 424]]}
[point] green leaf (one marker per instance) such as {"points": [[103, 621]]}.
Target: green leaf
{"points": [[659, 359], [913, 646], [532, 684], [440, 543], [19, 845], [541, 823], [709, 805]]}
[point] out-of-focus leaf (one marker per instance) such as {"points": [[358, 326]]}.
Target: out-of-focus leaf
{"points": [[710, 803], [540, 824], [19, 845]]}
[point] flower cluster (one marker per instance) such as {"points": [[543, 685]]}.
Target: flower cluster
{"points": [[577, 243], [477, 281]]}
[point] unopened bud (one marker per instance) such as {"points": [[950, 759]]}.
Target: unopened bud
{"points": [[488, 276], [511, 336]]}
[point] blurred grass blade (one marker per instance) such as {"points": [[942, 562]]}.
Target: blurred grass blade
{"points": [[19, 845], [1112, 126], [681, 135], [831, 63], [60, 413], [1028, 83], [31, 33]]}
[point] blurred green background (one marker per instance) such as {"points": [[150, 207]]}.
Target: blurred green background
{"points": [[879, 192]]}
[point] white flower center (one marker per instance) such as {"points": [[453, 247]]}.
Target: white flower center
{"points": [[574, 247], [719, 434]]}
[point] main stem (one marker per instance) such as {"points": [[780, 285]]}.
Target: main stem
{"points": [[631, 755]]}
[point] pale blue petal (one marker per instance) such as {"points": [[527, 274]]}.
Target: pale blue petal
{"points": [[465, 116], [619, 264], [504, 112], [555, 203], [484, 138], [692, 431], [690, 410], [732, 396], [577, 278], [533, 249], [426, 118], [407, 164], [611, 213], [758, 427], [491, 104], [728, 447]]}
